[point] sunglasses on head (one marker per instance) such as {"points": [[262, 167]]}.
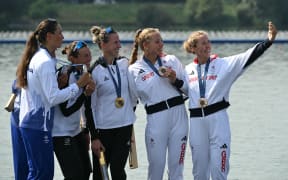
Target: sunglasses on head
{"points": [[51, 20], [79, 45], [109, 30]]}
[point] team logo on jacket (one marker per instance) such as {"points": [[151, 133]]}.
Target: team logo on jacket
{"points": [[67, 141], [141, 71], [184, 138], [212, 70], [147, 76], [152, 142], [106, 78], [30, 70], [46, 139], [192, 73]]}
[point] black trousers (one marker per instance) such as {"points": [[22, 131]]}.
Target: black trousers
{"points": [[73, 157], [117, 144]]}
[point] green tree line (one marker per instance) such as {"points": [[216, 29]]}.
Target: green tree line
{"points": [[132, 14]]}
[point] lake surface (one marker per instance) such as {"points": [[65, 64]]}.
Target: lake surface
{"points": [[258, 118]]}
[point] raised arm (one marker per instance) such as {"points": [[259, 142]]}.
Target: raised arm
{"points": [[263, 46]]}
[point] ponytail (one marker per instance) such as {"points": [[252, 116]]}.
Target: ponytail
{"points": [[134, 53], [30, 49], [32, 46]]}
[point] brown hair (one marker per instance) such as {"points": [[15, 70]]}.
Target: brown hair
{"points": [[100, 34], [193, 40], [141, 37], [72, 49], [37, 38]]}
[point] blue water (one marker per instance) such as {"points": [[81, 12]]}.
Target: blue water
{"points": [[258, 116]]}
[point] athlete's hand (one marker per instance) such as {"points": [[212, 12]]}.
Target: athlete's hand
{"points": [[97, 146], [170, 74], [272, 31], [62, 80], [83, 80], [90, 87]]}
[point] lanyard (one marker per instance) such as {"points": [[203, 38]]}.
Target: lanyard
{"points": [[117, 87], [202, 81], [43, 47], [152, 66]]}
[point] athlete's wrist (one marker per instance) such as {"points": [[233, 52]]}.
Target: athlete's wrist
{"points": [[178, 83]]}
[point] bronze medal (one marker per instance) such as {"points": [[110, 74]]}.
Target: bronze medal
{"points": [[119, 102], [203, 102], [162, 70]]}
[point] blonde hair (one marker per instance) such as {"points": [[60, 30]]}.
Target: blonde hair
{"points": [[193, 40], [100, 34], [141, 37]]}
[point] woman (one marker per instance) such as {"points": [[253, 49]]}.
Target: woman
{"points": [[160, 80], [20, 163], [210, 137], [71, 143], [112, 104], [39, 93]]}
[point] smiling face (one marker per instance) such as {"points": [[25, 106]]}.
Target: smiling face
{"points": [[153, 46], [202, 48], [84, 56], [111, 48]]}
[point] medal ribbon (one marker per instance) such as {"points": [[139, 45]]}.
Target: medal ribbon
{"points": [[152, 66], [117, 87], [202, 82]]}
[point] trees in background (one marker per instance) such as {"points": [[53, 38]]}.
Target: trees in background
{"points": [[236, 13], [245, 14], [157, 17], [274, 10], [43, 8], [17, 14], [11, 10], [209, 14], [147, 1]]}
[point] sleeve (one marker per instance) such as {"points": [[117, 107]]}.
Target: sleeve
{"points": [[49, 85], [14, 88], [181, 77], [132, 89], [89, 119], [236, 64], [258, 51], [67, 111]]}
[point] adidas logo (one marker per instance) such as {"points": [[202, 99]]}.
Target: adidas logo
{"points": [[141, 71], [184, 138], [67, 142], [106, 78], [224, 146], [46, 139]]}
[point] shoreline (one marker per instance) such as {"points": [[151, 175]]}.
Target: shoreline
{"points": [[169, 37]]}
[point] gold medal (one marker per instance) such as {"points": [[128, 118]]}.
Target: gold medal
{"points": [[162, 70], [119, 102], [203, 102]]}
